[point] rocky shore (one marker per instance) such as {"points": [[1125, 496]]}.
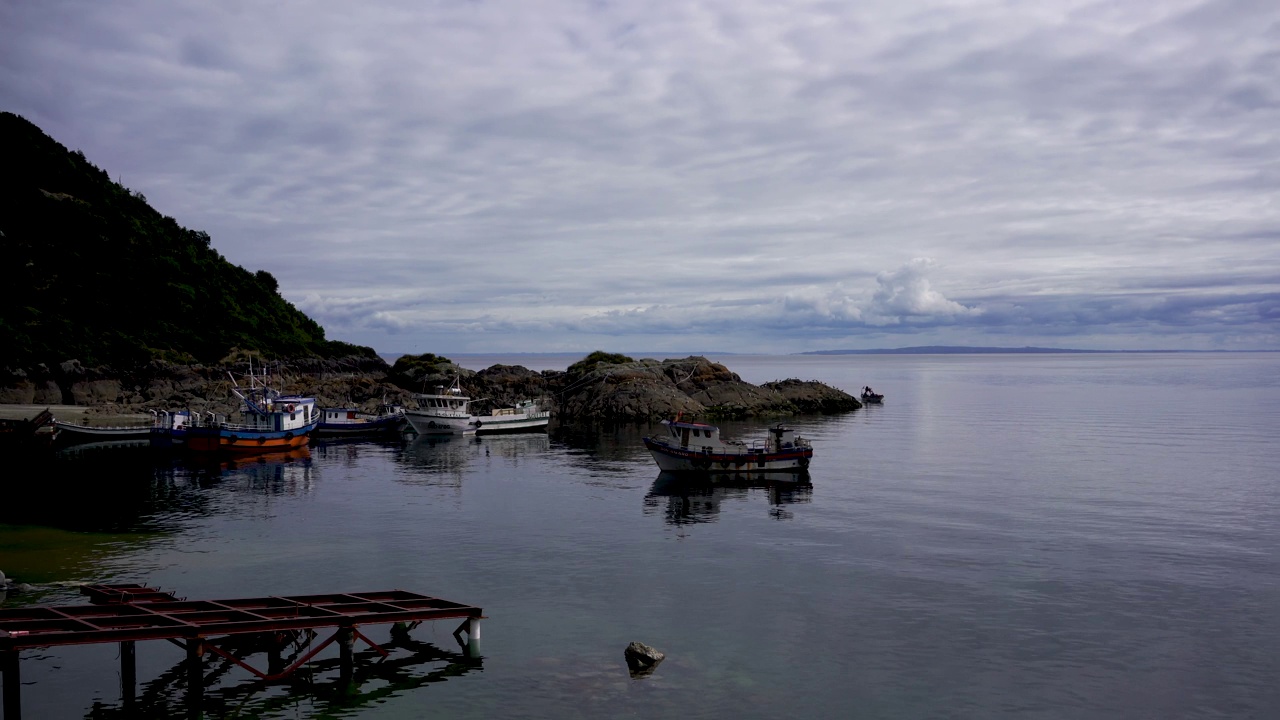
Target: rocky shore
{"points": [[600, 388]]}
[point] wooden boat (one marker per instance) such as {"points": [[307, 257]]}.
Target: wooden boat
{"points": [[269, 422], [26, 434], [697, 447], [870, 397], [77, 433], [387, 419], [524, 417]]}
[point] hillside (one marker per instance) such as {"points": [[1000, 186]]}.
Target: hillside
{"points": [[96, 274]]}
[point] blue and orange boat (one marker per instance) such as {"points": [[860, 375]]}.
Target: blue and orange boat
{"points": [[269, 422]]}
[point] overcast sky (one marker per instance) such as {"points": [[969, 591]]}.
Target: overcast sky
{"points": [[737, 176]]}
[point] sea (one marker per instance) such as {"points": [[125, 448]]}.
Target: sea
{"points": [[1082, 536]]}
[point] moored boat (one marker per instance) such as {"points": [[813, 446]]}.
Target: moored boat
{"points": [[170, 428], [697, 447], [336, 422], [444, 412], [524, 417], [69, 432], [269, 422]]}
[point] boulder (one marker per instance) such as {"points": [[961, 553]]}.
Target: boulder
{"points": [[96, 392], [642, 659]]}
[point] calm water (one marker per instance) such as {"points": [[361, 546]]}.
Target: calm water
{"points": [[1073, 536]]}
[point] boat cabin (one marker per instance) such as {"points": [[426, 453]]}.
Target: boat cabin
{"points": [[701, 437]]}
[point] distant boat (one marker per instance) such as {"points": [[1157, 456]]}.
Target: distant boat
{"points": [[870, 397], [386, 419], [698, 447], [270, 422]]}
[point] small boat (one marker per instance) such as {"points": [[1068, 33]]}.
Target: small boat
{"points": [[698, 447], [77, 433], [869, 397], [270, 422], [387, 419], [524, 417], [170, 428], [444, 412], [25, 434]]}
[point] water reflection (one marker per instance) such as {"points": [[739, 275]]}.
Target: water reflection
{"points": [[686, 500], [449, 455], [278, 473], [100, 488], [411, 664], [603, 448]]}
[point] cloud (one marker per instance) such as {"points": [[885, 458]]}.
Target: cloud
{"points": [[507, 173]]}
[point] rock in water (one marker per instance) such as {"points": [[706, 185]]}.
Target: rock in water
{"points": [[642, 659]]}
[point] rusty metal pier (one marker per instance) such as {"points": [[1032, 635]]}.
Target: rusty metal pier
{"points": [[129, 613]]}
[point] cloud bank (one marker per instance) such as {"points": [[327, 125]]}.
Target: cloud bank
{"points": [[739, 176]]}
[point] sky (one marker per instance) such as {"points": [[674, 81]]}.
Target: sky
{"points": [[740, 176]]}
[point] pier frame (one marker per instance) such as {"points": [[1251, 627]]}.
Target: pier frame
{"points": [[141, 613]]}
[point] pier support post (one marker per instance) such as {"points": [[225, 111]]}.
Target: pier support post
{"points": [[12, 685], [473, 637], [346, 665], [274, 663], [128, 672], [195, 677]]}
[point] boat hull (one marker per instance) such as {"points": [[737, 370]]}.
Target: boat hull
{"points": [[492, 425], [680, 460], [379, 426], [240, 441], [72, 433], [432, 424]]}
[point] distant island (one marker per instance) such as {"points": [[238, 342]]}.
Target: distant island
{"points": [[966, 350]]}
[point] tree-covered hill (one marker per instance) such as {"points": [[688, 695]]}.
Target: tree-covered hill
{"points": [[92, 272]]}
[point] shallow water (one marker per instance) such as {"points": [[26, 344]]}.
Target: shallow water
{"points": [[1064, 536]]}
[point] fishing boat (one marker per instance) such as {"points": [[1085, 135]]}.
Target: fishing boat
{"points": [[269, 422], [444, 412], [525, 416], [69, 432], [697, 447], [870, 397], [339, 422]]}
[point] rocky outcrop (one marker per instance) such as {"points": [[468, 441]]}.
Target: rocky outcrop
{"points": [[693, 386], [607, 388]]}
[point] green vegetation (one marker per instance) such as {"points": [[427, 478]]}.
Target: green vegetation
{"points": [[419, 365], [96, 274], [595, 359]]}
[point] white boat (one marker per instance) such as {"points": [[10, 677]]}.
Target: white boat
{"points": [[524, 417], [698, 447], [444, 412]]}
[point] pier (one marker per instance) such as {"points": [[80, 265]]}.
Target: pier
{"points": [[230, 629]]}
